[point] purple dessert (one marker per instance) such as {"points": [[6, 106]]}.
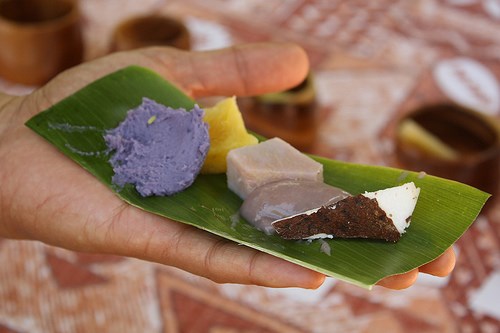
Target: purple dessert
{"points": [[158, 149]]}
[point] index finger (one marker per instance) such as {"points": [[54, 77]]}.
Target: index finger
{"points": [[241, 70]]}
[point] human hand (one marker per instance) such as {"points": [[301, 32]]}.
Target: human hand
{"points": [[45, 196]]}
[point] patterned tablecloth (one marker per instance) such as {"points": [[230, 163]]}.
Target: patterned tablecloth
{"points": [[372, 61]]}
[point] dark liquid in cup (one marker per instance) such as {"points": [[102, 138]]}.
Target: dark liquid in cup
{"points": [[462, 131]]}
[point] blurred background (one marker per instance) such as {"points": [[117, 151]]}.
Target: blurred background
{"points": [[376, 67]]}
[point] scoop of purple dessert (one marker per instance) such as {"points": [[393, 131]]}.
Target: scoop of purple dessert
{"points": [[158, 149]]}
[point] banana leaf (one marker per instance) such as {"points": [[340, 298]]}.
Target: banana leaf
{"points": [[445, 209]]}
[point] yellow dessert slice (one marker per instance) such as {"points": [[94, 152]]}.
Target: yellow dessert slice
{"points": [[227, 131]]}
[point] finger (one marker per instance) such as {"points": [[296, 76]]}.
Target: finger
{"points": [[241, 70], [442, 266], [399, 281], [196, 251], [226, 262]]}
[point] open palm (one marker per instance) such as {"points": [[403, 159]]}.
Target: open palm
{"points": [[45, 196]]}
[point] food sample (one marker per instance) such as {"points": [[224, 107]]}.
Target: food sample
{"points": [[227, 131], [382, 215], [283, 198], [272, 160], [158, 149]]}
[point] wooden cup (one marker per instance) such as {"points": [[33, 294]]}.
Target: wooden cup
{"points": [[290, 114], [451, 141], [150, 30], [38, 39]]}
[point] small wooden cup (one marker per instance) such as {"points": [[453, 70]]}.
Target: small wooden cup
{"points": [[150, 30], [451, 141], [290, 114], [38, 39]]}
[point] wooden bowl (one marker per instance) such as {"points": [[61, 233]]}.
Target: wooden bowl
{"points": [[150, 30], [291, 114], [39, 39], [451, 141]]}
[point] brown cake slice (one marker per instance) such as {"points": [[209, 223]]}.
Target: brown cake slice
{"points": [[382, 215]]}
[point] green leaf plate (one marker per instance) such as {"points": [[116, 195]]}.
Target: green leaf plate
{"points": [[444, 211]]}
